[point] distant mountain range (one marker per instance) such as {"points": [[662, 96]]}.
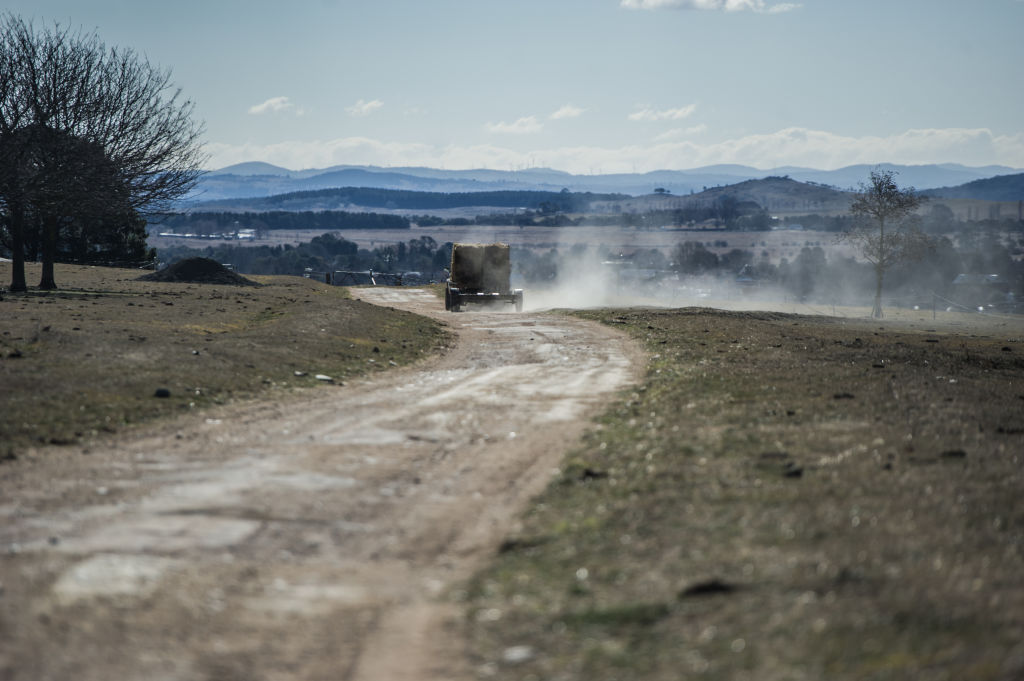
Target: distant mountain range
{"points": [[252, 180]]}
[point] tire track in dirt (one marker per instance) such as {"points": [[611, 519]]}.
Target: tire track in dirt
{"points": [[314, 539]]}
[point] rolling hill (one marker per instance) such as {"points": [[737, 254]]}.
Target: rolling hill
{"points": [[1002, 188], [776, 194]]}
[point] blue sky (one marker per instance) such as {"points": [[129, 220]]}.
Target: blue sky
{"points": [[586, 86]]}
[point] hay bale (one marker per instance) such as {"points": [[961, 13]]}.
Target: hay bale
{"points": [[485, 268]]}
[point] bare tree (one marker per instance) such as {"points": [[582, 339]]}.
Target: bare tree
{"points": [[90, 132], [885, 234], [14, 115]]}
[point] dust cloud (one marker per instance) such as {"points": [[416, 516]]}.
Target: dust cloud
{"points": [[588, 279]]}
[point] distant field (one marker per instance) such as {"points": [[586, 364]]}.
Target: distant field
{"points": [[778, 244]]}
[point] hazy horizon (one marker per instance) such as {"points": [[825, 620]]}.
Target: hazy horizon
{"points": [[882, 164]]}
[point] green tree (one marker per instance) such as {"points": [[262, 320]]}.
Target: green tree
{"points": [[75, 198], [694, 258], [806, 272], [940, 219], [727, 209], [88, 135], [884, 233]]}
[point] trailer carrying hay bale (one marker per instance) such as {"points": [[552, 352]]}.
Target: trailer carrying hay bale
{"points": [[481, 274], [478, 268]]}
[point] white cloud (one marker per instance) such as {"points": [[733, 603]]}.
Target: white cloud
{"points": [[649, 114], [364, 108], [821, 149], [677, 133], [726, 5], [782, 7], [791, 146], [272, 105], [567, 111], [523, 126]]}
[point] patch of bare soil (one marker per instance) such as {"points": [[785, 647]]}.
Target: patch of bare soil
{"points": [[315, 538]]}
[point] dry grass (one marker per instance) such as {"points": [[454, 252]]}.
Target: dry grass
{"points": [[90, 357], [785, 497]]}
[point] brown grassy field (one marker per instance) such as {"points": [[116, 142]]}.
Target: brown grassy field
{"points": [[784, 497], [781, 497], [89, 358]]}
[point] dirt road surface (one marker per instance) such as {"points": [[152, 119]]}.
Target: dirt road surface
{"points": [[321, 538]]}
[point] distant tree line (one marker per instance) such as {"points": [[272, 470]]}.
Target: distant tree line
{"points": [[403, 199], [525, 218], [726, 213], [280, 219], [325, 253]]}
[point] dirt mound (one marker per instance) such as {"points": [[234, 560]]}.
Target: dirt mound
{"points": [[199, 271]]}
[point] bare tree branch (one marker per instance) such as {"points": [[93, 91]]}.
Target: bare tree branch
{"points": [[86, 132]]}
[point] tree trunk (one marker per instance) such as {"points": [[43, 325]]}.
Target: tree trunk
{"points": [[49, 253], [876, 311], [17, 229]]}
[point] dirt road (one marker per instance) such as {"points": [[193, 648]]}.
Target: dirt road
{"points": [[318, 539]]}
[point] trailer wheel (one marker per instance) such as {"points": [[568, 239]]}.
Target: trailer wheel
{"points": [[456, 302]]}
